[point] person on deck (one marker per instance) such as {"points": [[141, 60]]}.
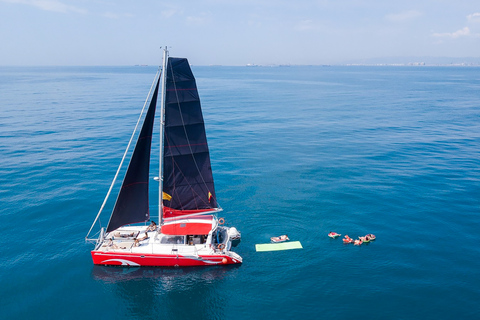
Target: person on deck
{"points": [[137, 240], [152, 226]]}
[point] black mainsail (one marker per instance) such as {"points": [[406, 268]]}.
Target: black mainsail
{"points": [[132, 201], [187, 173]]}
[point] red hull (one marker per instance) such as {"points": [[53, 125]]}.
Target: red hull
{"points": [[159, 260]]}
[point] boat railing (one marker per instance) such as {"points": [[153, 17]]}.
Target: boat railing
{"points": [[235, 255], [222, 246], [99, 240]]}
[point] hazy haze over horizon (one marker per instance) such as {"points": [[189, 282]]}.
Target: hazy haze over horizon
{"points": [[84, 32]]}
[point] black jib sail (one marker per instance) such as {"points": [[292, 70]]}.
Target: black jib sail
{"points": [[132, 202], [188, 181]]}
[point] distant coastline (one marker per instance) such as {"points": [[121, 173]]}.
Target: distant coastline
{"points": [[416, 61], [409, 64], [393, 61], [371, 62]]}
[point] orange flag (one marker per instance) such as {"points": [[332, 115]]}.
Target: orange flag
{"points": [[166, 196]]}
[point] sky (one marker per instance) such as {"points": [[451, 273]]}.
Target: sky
{"points": [[234, 32]]}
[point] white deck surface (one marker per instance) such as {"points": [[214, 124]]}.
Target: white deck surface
{"points": [[156, 243]]}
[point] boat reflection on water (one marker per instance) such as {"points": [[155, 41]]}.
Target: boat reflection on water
{"points": [[168, 293], [109, 274]]}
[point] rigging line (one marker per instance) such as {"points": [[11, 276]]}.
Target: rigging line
{"points": [[196, 194], [154, 84], [185, 130], [125, 154], [176, 167]]}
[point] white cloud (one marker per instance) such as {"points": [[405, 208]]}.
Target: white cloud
{"points": [[403, 16], [168, 13], [112, 15], [169, 10], [464, 32], [200, 19], [305, 25], [457, 34], [474, 17], [49, 5]]}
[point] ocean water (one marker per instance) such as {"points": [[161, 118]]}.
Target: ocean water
{"points": [[393, 151]]}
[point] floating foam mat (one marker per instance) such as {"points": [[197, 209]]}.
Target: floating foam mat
{"points": [[278, 246]]}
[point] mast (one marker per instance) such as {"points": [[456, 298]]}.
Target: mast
{"points": [[162, 123]]}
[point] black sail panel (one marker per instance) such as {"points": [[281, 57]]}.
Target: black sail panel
{"points": [[187, 176], [132, 201]]}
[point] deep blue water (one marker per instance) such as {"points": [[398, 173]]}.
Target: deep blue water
{"points": [[393, 151]]}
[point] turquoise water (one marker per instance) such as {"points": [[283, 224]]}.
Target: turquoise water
{"points": [[393, 151]]}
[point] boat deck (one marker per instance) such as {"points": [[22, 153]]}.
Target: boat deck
{"points": [[154, 242]]}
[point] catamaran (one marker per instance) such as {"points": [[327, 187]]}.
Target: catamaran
{"points": [[189, 232]]}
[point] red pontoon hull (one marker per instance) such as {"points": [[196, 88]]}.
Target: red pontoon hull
{"points": [[160, 260]]}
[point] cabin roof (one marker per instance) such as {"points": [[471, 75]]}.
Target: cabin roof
{"points": [[196, 225]]}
